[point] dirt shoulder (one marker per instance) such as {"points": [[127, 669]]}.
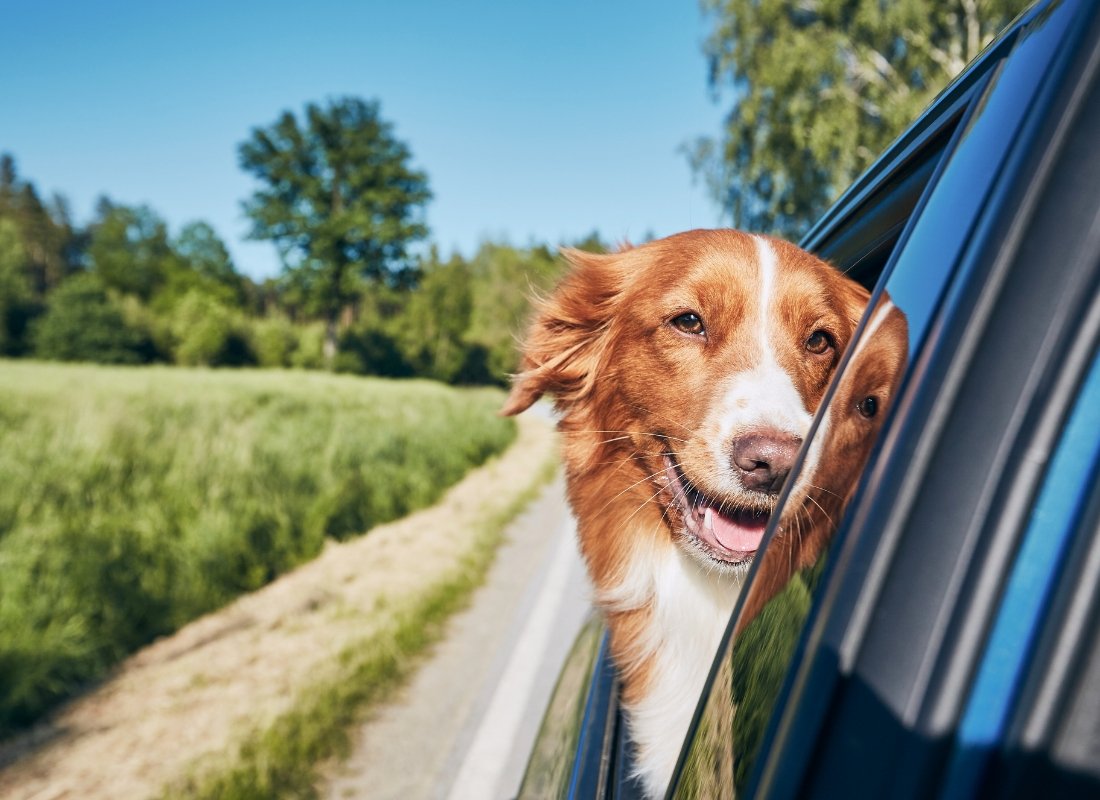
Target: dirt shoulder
{"points": [[193, 696]]}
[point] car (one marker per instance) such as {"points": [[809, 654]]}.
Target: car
{"points": [[945, 642]]}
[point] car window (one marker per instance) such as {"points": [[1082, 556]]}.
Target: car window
{"points": [[748, 678]]}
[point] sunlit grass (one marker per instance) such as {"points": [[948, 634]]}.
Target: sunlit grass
{"points": [[134, 500], [282, 759]]}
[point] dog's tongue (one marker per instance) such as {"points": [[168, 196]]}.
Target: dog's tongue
{"points": [[740, 533]]}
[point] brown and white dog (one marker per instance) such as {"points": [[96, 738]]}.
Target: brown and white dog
{"points": [[686, 372]]}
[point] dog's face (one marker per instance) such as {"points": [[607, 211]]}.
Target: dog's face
{"points": [[701, 358]]}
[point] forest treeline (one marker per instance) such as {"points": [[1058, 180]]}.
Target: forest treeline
{"points": [[125, 289]]}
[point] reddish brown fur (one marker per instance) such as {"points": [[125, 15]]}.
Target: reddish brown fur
{"points": [[627, 384]]}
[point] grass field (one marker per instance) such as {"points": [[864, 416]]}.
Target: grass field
{"points": [[134, 500]]}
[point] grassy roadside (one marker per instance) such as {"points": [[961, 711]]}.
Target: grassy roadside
{"points": [[280, 759], [135, 500]]}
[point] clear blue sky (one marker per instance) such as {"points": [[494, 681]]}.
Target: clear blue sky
{"points": [[535, 120]]}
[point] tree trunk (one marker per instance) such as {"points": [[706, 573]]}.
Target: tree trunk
{"points": [[328, 349]]}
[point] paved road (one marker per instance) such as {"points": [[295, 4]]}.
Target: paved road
{"points": [[465, 724]]}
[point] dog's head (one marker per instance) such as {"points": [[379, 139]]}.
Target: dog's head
{"points": [[698, 360]]}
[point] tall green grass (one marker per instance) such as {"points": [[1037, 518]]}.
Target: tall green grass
{"points": [[133, 500]]}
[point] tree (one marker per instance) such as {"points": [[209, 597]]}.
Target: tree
{"points": [[505, 279], [435, 321], [203, 251], [820, 88], [339, 199], [15, 289], [200, 262], [129, 250], [49, 242]]}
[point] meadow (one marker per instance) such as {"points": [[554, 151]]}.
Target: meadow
{"points": [[133, 500]]}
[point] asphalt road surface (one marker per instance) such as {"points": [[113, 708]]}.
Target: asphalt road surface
{"points": [[463, 727]]}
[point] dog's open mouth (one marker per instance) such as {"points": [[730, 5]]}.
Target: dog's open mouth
{"points": [[729, 533]]}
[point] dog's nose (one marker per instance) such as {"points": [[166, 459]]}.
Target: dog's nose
{"points": [[764, 459]]}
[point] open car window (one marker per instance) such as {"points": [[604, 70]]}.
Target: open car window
{"points": [[920, 268]]}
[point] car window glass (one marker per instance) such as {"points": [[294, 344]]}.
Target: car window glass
{"points": [[738, 708], [748, 678]]}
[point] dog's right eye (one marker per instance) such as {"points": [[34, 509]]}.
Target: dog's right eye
{"points": [[689, 323]]}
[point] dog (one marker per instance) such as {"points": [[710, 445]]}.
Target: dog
{"points": [[685, 372]]}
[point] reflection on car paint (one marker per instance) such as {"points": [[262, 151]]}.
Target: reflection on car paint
{"points": [[752, 671], [550, 766]]}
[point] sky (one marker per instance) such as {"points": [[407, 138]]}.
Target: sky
{"points": [[536, 121]]}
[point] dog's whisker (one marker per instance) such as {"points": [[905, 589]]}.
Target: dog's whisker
{"points": [[661, 416], [628, 432], [823, 489], [642, 505], [633, 456], [631, 486], [823, 511]]}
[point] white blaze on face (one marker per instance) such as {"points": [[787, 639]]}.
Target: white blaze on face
{"points": [[764, 396]]}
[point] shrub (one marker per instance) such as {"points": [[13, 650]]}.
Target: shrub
{"points": [[274, 340], [309, 353], [209, 333], [82, 324], [369, 350]]}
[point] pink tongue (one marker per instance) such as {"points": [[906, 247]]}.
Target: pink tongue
{"points": [[743, 538]]}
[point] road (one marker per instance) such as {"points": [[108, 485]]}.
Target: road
{"points": [[464, 725]]}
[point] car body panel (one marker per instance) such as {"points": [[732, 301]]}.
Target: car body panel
{"points": [[858, 678]]}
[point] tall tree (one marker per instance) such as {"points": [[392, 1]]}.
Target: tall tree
{"points": [[820, 88], [48, 239], [340, 200], [129, 249], [205, 263], [15, 289]]}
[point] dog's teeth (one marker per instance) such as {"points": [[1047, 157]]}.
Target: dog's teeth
{"points": [[708, 519]]}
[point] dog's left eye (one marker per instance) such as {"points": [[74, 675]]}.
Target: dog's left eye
{"points": [[867, 407], [819, 342], [689, 323]]}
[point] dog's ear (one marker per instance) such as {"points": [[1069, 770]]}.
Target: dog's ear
{"points": [[567, 339]]}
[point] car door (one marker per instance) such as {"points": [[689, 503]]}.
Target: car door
{"points": [[853, 677]]}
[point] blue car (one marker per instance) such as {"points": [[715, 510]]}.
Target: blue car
{"points": [[944, 639]]}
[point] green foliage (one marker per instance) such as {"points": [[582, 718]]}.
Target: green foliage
{"points": [[435, 320], [82, 324], [503, 280], [132, 501], [208, 333], [820, 90], [370, 349], [180, 299], [16, 304], [339, 198], [50, 244], [309, 353], [282, 760], [204, 253], [130, 252], [274, 340]]}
